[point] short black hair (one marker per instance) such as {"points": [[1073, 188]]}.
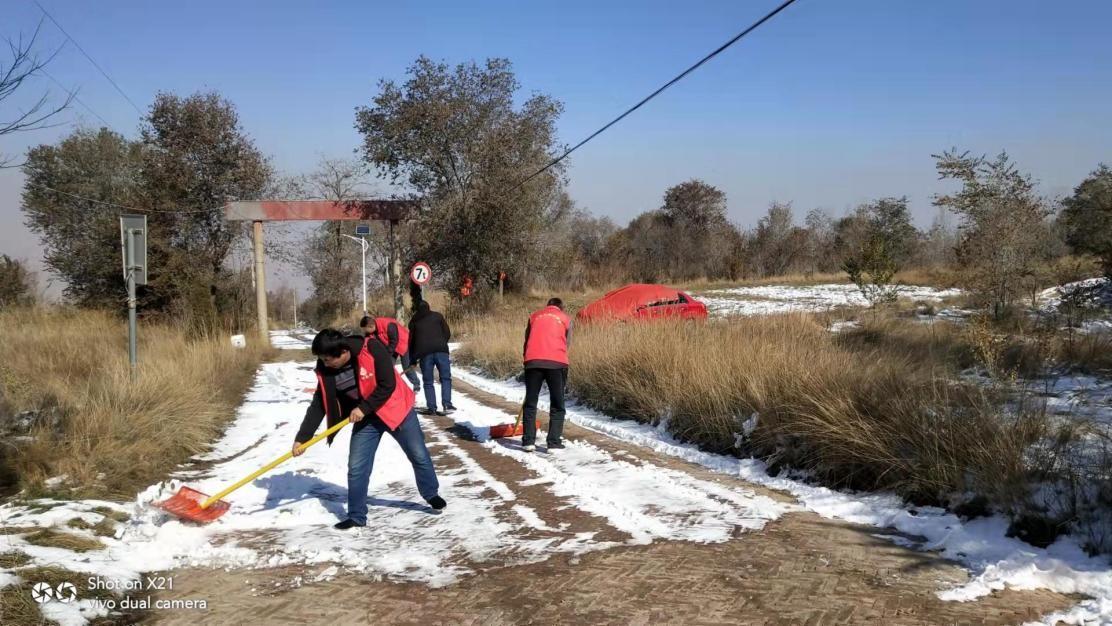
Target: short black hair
{"points": [[422, 306], [330, 342], [365, 322], [556, 302]]}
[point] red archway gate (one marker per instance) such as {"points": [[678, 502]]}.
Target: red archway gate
{"points": [[257, 212]]}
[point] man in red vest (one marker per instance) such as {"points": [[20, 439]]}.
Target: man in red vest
{"points": [[356, 380], [388, 331], [547, 338]]}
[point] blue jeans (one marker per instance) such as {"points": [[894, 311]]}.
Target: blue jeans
{"points": [[443, 364], [361, 459]]}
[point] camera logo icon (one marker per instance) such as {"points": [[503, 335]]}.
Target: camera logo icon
{"points": [[66, 592], [43, 593]]}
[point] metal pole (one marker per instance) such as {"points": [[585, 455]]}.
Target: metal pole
{"points": [[132, 318], [260, 284], [295, 308], [363, 243]]}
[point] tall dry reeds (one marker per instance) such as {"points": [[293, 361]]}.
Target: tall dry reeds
{"points": [[109, 433], [878, 408]]}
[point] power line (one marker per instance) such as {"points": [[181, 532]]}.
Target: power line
{"points": [[73, 93], [95, 64], [654, 94]]}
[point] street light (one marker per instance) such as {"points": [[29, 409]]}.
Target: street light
{"points": [[362, 230]]}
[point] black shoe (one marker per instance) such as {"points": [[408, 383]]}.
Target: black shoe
{"points": [[449, 409], [442, 412], [425, 411], [346, 524], [559, 445], [437, 502]]}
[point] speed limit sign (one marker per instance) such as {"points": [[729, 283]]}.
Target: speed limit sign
{"points": [[421, 273]]}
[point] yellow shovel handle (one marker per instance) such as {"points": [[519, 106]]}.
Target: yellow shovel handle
{"points": [[275, 463]]}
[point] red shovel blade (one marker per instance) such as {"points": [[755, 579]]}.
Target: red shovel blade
{"points": [[186, 504], [500, 431]]}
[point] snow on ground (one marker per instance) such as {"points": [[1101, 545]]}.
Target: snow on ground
{"points": [[994, 560], [1096, 300], [772, 299], [1077, 396], [299, 339], [285, 517]]}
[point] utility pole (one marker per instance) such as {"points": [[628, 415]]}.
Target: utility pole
{"points": [[362, 241], [133, 242], [260, 283]]}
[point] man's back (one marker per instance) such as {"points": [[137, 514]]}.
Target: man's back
{"points": [[428, 332]]}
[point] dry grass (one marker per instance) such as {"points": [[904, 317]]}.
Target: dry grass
{"points": [[113, 514], [875, 408], [19, 609], [79, 524], [51, 538], [71, 368], [12, 559]]}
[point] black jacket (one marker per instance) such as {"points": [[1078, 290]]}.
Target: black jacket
{"points": [[384, 378], [428, 334]]}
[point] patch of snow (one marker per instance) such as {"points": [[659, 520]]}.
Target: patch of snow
{"points": [[773, 299], [1051, 298], [300, 339], [994, 560], [842, 325], [1076, 396], [73, 613]]}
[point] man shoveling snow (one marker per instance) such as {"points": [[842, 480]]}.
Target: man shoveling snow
{"points": [[545, 357], [356, 380]]}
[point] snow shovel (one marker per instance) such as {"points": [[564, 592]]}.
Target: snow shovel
{"points": [[499, 431], [194, 506]]}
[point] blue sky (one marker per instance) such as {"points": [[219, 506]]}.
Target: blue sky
{"points": [[828, 105]]}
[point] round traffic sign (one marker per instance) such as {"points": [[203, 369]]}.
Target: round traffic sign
{"points": [[421, 273]]}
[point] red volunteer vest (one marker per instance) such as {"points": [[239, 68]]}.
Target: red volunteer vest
{"points": [[548, 336], [399, 404], [381, 326]]}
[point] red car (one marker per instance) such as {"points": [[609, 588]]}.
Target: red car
{"points": [[643, 302]]}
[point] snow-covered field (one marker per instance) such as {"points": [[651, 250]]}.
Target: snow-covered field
{"points": [[771, 299]]}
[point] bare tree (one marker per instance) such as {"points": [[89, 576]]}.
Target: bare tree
{"points": [[1003, 232], [23, 63], [331, 259]]}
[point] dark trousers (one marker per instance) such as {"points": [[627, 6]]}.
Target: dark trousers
{"points": [[555, 379], [365, 437], [442, 361]]}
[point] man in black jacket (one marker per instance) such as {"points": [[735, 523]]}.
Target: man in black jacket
{"points": [[428, 345], [341, 380]]}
